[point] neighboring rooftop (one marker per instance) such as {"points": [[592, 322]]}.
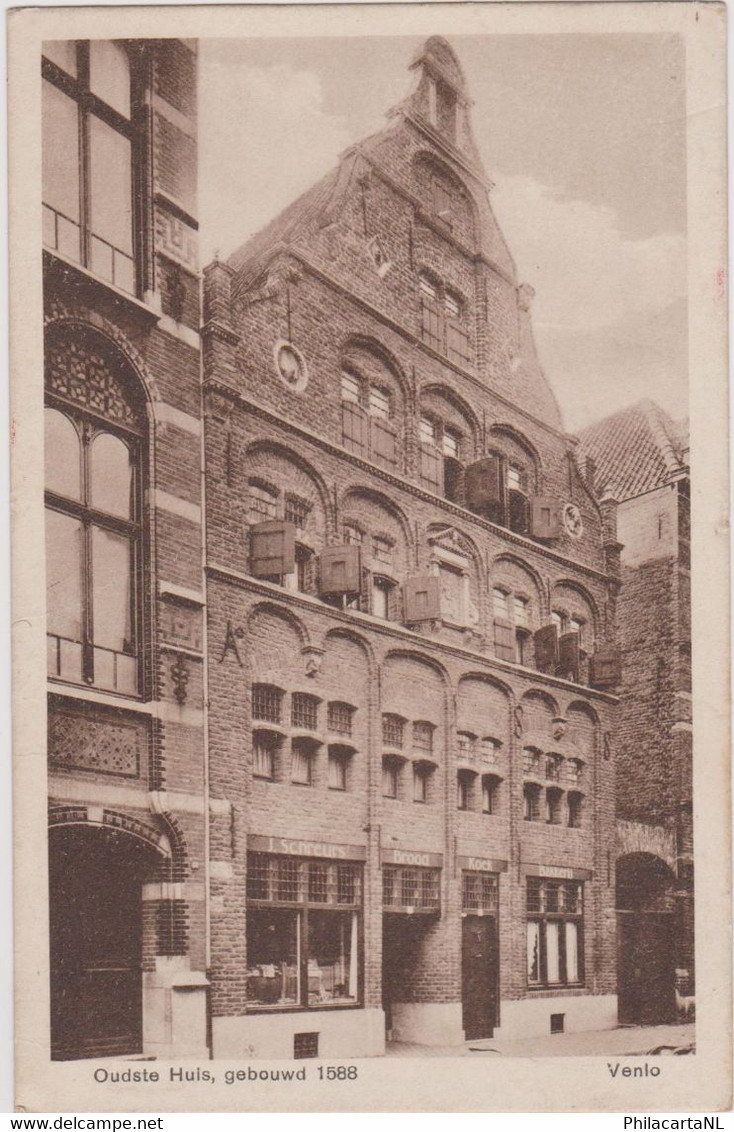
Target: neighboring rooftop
{"points": [[635, 450]]}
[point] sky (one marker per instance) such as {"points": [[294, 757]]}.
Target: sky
{"points": [[583, 137]]}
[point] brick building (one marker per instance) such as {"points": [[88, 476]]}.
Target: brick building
{"points": [[641, 457], [124, 547], [411, 594]]}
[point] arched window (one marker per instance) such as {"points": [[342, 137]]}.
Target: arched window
{"points": [[94, 533], [89, 154]]}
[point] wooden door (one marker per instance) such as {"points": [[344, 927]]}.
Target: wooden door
{"points": [[479, 976]]}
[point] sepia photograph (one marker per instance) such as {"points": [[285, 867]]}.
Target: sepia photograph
{"points": [[366, 379]]}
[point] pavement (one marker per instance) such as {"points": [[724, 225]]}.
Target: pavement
{"points": [[622, 1041]]}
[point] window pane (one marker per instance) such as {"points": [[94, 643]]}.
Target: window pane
{"points": [[332, 957], [63, 576], [337, 772], [427, 431], [62, 452], [273, 956], [62, 52], [111, 187], [300, 765], [572, 952], [61, 169], [499, 604], [379, 601], [350, 388], [450, 444], [263, 758], [109, 74], [111, 475], [533, 951], [111, 590], [551, 946], [379, 402]]}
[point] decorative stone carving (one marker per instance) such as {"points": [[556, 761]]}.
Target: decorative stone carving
{"points": [[175, 239], [290, 365], [102, 743], [180, 678], [231, 637]]}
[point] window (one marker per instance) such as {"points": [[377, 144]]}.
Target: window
{"points": [[339, 718], [381, 591], [465, 790], [479, 893], [427, 430], [337, 771], [390, 777], [423, 737], [466, 744], [514, 477], [553, 765], [554, 932], [520, 607], [297, 511], [303, 919], [500, 604], [302, 758], [518, 505], [352, 534], [450, 443], [366, 427], [410, 889], [263, 502], [93, 548], [442, 310], [575, 810], [304, 710], [264, 753], [89, 157], [577, 625], [393, 727], [557, 620], [378, 402], [382, 550], [490, 793], [531, 801], [304, 560], [553, 805], [452, 304], [421, 778], [351, 388], [489, 751], [267, 701], [532, 760], [574, 769], [427, 287]]}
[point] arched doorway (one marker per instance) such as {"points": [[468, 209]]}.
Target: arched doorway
{"points": [[646, 932], [96, 876]]}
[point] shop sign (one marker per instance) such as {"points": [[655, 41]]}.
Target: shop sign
{"points": [[410, 857], [557, 872], [295, 847], [481, 865]]}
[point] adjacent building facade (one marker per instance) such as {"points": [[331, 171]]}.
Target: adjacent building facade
{"points": [[641, 456], [411, 601], [124, 549]]}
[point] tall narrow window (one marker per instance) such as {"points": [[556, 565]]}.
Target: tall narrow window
{"points": [[93, 534], [89, 151]]}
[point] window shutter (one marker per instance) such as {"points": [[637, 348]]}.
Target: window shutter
{"points": [[568, 657], [432, 467], [354, 428], [546, 648], [272, 549], [395, 604], [457, 342], [432, 326], [504, 640], [382, 443], [519, 512], [545, 517], [484, 487], [422, 598], [340, 570], [606, 668]]}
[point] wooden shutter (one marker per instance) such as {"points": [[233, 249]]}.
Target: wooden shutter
{"points": [[546, 648], [432, 467], [432, 325], [504, 640], [457, 342], [484, 488], [422, 598], [272, 549], [382, 443], [545, 517], [340, 570], [354, 428], [568, 657], [606, 668]]}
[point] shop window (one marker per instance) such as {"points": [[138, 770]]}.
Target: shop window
{"points": [[94, 550], [490, 793], [423, 737], [465, 781], [393, 730], [531, 801], [303, 754], [410, 889], [339, 759], [390, 777], [264, 754], [340, 717], [575, 810], [90, 153], [297, 511], [554, 932], [304, 711], [553, 805], [479, 893], [306, 955], [267, 703]]}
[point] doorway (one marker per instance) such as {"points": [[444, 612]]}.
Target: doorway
{"points": [[646, 940], [96, 877], [479, 976]]}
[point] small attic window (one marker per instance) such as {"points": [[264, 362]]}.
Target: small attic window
{"points": [[442, 107]]}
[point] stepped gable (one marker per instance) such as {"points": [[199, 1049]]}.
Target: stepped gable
{"points": [[635, 450]]}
